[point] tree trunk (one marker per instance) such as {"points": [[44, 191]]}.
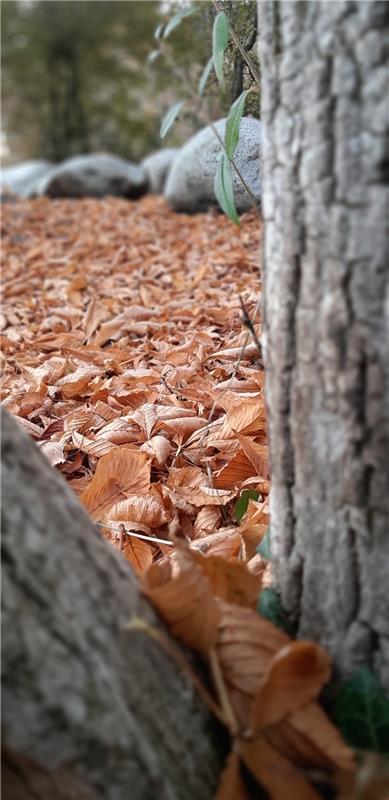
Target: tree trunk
{"points": [[88, 700], [326, 315]]}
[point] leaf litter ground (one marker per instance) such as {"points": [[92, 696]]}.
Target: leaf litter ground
{"points": [[125, 359]]}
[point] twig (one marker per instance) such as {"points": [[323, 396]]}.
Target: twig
{"points": [[224, 700], [122, 530]]}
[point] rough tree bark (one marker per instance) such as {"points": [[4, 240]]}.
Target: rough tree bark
{"points": [[326, 316], [91, 707]]}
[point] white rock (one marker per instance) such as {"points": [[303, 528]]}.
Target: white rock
{"points": [[95, 175], [157, 167], [190, 182], [23, 179]]}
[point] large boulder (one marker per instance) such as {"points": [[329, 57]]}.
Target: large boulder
{"points": [[157, 167], [23, 179], [190, 183], [95, 175]]}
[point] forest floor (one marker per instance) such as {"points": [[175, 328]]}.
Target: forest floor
{"points": [[122, 333], [125, 357]]}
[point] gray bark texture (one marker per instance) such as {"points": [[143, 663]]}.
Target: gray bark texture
{"points": [[91, 707], [325, 113]]}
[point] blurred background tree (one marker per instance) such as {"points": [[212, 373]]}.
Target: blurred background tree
{"points": [[76, 76]]}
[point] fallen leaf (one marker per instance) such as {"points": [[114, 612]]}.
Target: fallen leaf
{"points": [[257, 453], [145, 509], [296, 675], [183, 596], [138, 553], [118, 474], [231, 786], [226, 542], [230, 580], [278, 775]]}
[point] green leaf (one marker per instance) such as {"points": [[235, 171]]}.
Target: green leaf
{"points": [[269, 606], [233, 122], [205, 75], [361, 710], [223, 188], [159, 31], [175, 21], [169, 118], [241, 505], [220, 37], [264, 547]]}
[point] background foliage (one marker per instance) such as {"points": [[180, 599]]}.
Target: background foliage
{"points": [[78, 77]]}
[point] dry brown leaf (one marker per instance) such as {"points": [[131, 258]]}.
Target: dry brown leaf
{"points": [[258, 454], [233, 353], [230, 580], [257, 512], [278, 775], [252, 536], [183, 596], [96, 313], [257, 566], [119, 474], [182, 427], [76, 382], [295, 676], [192, 484], [238, 468], [138, 553], [226, 542], [159, 448], [231, 786], [145, 509], [248, 417], [207, 521], [310, 722], [246, 646], [97, 448], [145, 417]]}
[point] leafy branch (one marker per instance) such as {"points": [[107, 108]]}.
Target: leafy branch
{"points": [[222, 31]]}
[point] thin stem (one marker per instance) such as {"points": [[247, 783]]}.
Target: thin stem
{"points": [[224, 700], [238, 172], [241, 49], [144, 536]]}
